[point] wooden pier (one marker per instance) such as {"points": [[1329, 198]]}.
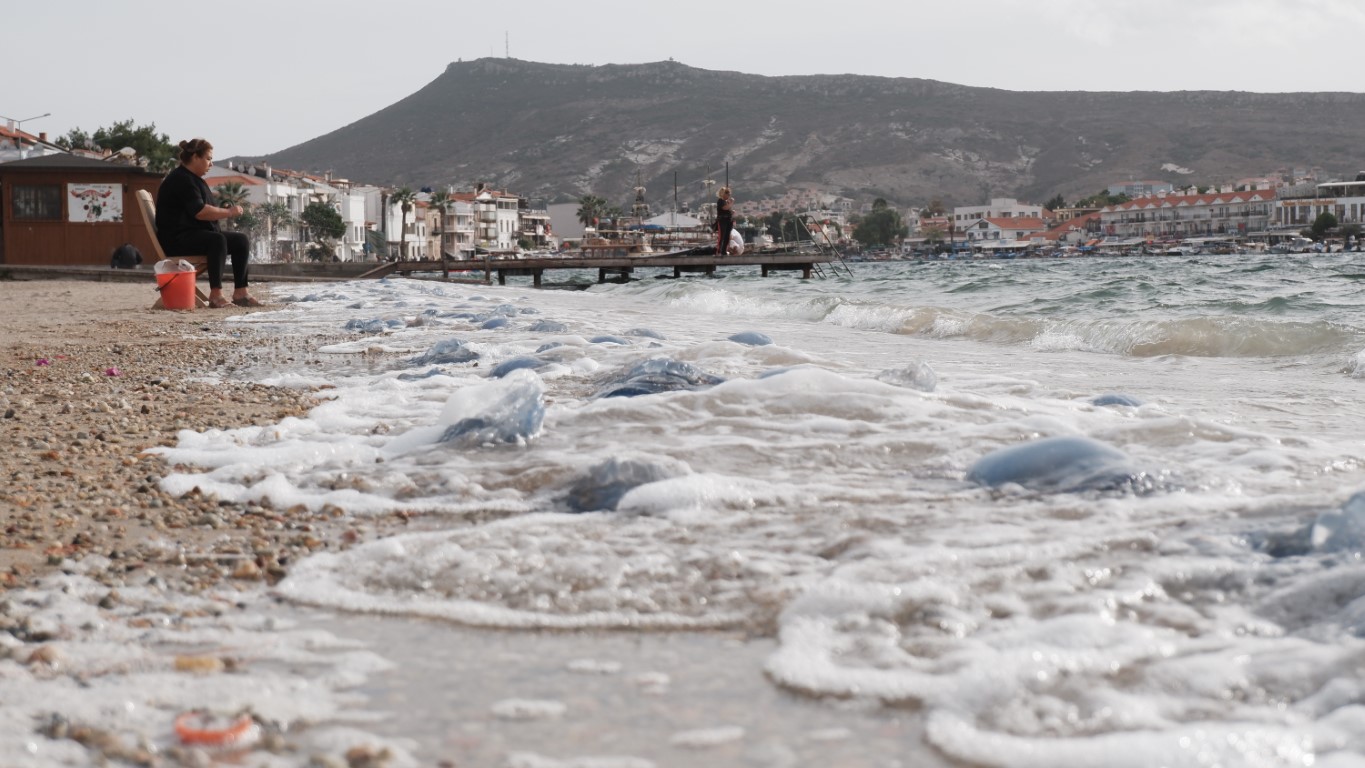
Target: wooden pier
{"points": [[618, 267], [608, 267]]}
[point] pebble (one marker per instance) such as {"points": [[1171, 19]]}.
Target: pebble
{"points": [[77, 480], [76, 486]]}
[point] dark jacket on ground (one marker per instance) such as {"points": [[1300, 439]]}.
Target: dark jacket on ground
{"points": [[126, 256]]}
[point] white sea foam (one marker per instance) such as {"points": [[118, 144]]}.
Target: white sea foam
{"points": [[115, 670], [814, 501]]}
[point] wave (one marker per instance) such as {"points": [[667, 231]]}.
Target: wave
{"points": [[1192, 337], [1104, 316], [1229, 337]]}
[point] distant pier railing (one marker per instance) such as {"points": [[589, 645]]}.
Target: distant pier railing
{"points": [[608, 267], [808, 263]]}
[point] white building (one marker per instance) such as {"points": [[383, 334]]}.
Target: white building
{"points": [[497, 221], [280, 240], [350, 203], [18, 145], [1136, 189], [406, 232], [534, 225], [998, 229], [999, 208], [1299, 207], [1180, 216]]}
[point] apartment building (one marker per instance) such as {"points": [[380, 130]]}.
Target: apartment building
{"points": [[996, 229], [999, 208], [1299, 206], [1179, 216]]}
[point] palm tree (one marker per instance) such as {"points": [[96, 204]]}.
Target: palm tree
{"points": [[442, 201], [276, 215], [405, 198], [229, 194], [590, 208]]}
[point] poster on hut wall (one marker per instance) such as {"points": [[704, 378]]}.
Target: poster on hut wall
{"points": [[91, 203]]}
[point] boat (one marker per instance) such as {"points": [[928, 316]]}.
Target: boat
{"points": [[610, 243]]}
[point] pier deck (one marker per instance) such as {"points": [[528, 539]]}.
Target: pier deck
{"points": [[608, 267], [613, 266]]}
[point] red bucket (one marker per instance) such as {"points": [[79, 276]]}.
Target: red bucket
{"points": [[177, 289]]}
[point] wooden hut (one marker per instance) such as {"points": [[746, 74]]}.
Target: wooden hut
{"points": [[63, 210]]}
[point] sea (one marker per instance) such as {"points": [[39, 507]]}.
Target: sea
{"points": [[1045, 512]]}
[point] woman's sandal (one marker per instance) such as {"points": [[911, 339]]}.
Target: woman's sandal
{"points": [[219, 303], [247, 301]]}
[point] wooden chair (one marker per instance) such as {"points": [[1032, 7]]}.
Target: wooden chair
{"points": [[201, 263]]}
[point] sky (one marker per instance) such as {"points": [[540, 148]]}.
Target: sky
{"points": [[259, 76]]}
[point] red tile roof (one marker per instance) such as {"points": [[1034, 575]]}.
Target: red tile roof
{"points": [[1018, 222], [1074, 225], [1177, 201], [10, 133], [239, 179]]}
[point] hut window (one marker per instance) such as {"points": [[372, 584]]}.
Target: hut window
{"points": [[37, 201]]}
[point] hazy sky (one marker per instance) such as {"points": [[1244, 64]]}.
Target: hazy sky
{"points": [[257, 76]]}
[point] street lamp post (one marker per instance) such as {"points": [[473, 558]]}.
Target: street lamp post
{"points": [[19, 124]]}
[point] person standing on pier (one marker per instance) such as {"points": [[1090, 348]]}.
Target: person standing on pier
{"points": [[725, 220]]}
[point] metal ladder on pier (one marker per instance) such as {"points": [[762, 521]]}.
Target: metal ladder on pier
{"points": [[823, 244]]}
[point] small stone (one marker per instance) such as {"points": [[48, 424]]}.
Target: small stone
{"points": [[45, 655], [199, 665], [247, 570]]}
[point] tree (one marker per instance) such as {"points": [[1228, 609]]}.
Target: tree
{"points": [[883, 226], [1057, 202], [324, 226], [405, 198], [782, 226], [155, 148], [251, 223], [1325, 222], [229, 194], [1101, 199], [442, 201], [590, 209], [76, 139], [277, 216], [935, 208]]}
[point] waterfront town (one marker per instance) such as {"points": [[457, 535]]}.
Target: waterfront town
{"points": [[1273, 213]]}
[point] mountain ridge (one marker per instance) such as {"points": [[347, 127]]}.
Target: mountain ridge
{"points": [[562, 130]]}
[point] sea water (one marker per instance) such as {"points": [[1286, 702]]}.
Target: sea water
{"points": [[791, 474], [814, 490]]}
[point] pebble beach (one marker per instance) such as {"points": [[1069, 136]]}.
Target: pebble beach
{"points": [[90, 378]]}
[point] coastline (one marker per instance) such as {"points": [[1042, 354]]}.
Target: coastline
{"points": [[162, 603]]}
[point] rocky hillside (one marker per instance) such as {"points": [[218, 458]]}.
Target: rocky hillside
{"points": [[560, 131]]}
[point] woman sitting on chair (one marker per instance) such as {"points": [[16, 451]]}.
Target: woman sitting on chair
{"points": [[187, 224]]}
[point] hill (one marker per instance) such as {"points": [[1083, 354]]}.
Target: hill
{"points": [[560, 131]]}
